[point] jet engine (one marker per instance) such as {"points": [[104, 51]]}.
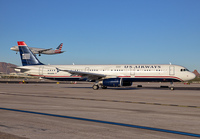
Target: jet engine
{"points": [[116, 82]]}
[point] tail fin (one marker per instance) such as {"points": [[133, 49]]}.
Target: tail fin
{"points": [[59, 47], [27, 57]]}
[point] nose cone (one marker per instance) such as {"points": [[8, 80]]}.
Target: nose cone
{"points": [[14, 48], [191, 76]]}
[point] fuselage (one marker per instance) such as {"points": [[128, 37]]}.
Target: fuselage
{"points": [[39, 50], [133, 73]]}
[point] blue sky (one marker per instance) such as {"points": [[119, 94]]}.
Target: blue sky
{"points": [[104, 31]]}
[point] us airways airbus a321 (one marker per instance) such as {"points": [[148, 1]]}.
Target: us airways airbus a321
{"points": [[103, 75]]}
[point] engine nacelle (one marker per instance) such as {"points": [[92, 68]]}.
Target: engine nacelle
{"points": [[126, 83], [116, 82]]}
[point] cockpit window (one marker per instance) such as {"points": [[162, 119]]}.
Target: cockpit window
{"points": [[184, 70]]}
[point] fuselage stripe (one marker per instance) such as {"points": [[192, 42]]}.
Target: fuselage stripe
{"points": [[160, 77]]}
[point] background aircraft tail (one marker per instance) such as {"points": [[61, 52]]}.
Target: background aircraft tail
{"points": [[27, 57], [59, 47]]}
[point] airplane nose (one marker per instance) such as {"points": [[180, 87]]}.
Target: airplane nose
{"points": [[15, 48], [191, 76]]}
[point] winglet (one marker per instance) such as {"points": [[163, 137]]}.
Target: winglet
{"points": [[21, 43]]}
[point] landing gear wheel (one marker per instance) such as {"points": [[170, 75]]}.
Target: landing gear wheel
{"points": [[104, 87], [95, 87], [172, 86]]}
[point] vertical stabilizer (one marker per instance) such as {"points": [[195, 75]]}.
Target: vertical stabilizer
{"points": [[59, 47], [27, 57]]}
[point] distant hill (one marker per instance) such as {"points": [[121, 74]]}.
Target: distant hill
{"points": [[196, 73], [7, 67]]}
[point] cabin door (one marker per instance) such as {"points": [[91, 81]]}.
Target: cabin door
{"points": [[87, 69], [41, 70], [171, 70]]}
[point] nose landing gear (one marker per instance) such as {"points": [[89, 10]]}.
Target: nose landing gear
{"points": [[172, 86]]}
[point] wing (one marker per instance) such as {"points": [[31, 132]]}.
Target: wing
{"points": [[88, 75], [43, 50], [38, 50]]}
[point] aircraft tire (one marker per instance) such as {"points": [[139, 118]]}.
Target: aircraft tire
{"points": [[95, 87], [172, 88]]}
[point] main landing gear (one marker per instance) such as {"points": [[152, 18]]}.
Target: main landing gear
{"points": [[96, 87], [172, 86]]}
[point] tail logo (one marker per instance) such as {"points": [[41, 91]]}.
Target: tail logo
{"points": [[26, 56]]}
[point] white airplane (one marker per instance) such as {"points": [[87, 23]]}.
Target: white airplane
{"points": [[41, 50], [102, 75]]}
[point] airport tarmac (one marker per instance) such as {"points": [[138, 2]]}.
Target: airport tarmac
{"points": [[77, 111]]}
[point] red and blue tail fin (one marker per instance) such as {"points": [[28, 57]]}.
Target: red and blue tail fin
{"points": [[27, 57], [59, 47]]}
